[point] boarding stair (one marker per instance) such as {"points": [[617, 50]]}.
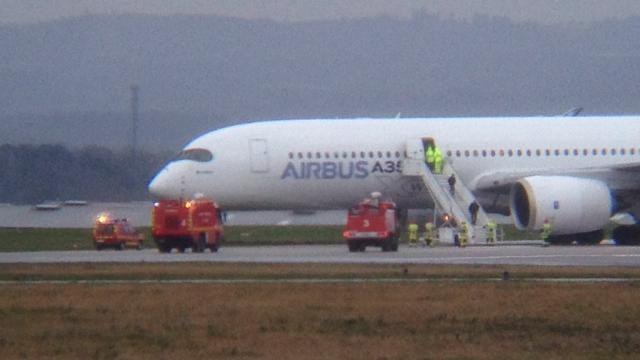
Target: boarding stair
{"points": [[455, 204]]}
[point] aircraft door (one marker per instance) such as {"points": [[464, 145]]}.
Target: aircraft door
{"points": [[259, 155], [415, 149]]}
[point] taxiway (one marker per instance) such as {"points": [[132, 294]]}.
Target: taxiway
{"points": [[530, 254]]}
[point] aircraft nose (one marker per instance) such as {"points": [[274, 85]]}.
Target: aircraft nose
{"points": [[161, 185]]}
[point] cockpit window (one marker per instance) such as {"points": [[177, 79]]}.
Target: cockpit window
{"points": [[199, 155]]}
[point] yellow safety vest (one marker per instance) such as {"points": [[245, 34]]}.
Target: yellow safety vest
{"points": [[430, 155], [413, 231]]}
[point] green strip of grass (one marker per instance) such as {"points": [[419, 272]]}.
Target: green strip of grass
{"points": [[30, 239]]}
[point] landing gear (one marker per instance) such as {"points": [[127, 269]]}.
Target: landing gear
{"points": [[626, 235], [590, 238]]}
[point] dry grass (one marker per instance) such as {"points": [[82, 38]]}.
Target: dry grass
{"points": [[339, 271], [487, 320]]}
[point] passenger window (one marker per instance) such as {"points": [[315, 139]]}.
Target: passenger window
{"points": [[575, 152], [398, 154], [458, 154], [510, 152], [604, 151], [613, 151], [538, 152], [493, 153], [290, 155], [475, 153], [466, 153], [484, 153]]}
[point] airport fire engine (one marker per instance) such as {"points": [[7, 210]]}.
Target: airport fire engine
{"points": [[372, 223], [116, 233], [195, 224]]}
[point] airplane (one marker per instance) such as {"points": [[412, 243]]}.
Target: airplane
{"points": [[577, 172]]}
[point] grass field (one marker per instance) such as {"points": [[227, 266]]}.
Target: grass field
{"points": [[434, 320], [30, 239]]}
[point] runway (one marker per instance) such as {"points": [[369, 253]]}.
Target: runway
{"points": [[530, 254]]}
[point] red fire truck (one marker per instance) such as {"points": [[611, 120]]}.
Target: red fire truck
{"points": [[372, 223], [116, 233], [195, 224]]}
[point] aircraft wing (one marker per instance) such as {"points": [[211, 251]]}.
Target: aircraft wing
{"points": [[497, 181]]}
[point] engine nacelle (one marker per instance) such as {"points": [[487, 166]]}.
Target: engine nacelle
{"points": [[572, 205]]}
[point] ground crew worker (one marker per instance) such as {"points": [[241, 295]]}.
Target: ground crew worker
{"points": [[430, 157], [491, 232], [463, 234], [437, 160], [452, 184], [546, 230], [413, 233], [429, 234], [473, 211]]}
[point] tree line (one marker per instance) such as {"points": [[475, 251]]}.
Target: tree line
{"points": [[30, 174]]}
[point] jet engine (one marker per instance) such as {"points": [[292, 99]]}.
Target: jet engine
{"points": [[572, 205]]}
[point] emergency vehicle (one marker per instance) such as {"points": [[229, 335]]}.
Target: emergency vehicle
{"points": [[195, 224], [116, 233], [372, 223]]}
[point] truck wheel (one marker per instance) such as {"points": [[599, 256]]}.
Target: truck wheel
{"points": [[214, 247], [386, 244], [165, 249], [395, 241], [120, 246], [200, 244], [181, 249], [140, 246], [98, 247], [353, 246]]}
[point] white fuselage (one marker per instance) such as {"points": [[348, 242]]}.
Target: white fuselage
{"points": [[330, 164]]}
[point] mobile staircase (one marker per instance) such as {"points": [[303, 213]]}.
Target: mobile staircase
{"points": [[455, 204]]}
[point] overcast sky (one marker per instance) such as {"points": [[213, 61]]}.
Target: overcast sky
{"points": [[25, 11]]}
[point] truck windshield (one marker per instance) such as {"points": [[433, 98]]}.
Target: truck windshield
{"points": [[199, 155]]}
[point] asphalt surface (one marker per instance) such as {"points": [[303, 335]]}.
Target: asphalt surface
{"points": [[531, 254]]}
